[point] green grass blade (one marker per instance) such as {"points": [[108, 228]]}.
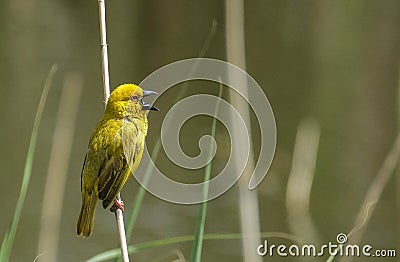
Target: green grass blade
{"points": [[10, 235], [199, 235]]}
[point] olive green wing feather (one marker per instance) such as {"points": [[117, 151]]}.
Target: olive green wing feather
{"points": [[112, 179], [115, 170], [89, 195]]}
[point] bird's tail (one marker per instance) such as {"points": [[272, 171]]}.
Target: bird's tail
{"points": [[86, 216]]}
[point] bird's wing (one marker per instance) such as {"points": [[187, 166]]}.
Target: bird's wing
{"points": [[111, 179], [115, 169]]}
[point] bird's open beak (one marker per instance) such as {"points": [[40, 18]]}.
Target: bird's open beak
{"points": [[148, 106], [148, 93]]}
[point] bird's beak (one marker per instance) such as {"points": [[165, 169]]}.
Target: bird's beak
{"points": [[148, 106], [148, 92]]}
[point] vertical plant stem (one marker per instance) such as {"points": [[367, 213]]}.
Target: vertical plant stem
{"points": [[121, 229], [248, 201], [106, 85], [8, 240], [58, 168], [104, 50], [300, 181]]}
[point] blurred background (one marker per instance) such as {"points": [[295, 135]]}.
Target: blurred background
{"points": [[331, 65]]}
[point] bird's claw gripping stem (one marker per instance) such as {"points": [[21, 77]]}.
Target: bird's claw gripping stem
{"points": [[118, 204]]}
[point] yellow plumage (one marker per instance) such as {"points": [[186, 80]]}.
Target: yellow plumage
{"points": [[117, 140]]}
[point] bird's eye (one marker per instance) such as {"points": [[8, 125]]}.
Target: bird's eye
{"points": [[134, 98]]}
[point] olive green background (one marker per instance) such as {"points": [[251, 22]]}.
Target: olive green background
{"points": [[336, 62]]}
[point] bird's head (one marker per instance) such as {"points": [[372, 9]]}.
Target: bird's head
{"points": [[127, 100]]}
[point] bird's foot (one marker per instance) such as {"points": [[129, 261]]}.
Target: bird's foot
{"points": [[118, 204]]}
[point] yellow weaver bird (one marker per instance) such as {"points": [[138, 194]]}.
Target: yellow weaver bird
{"points": [[117, 140]]}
